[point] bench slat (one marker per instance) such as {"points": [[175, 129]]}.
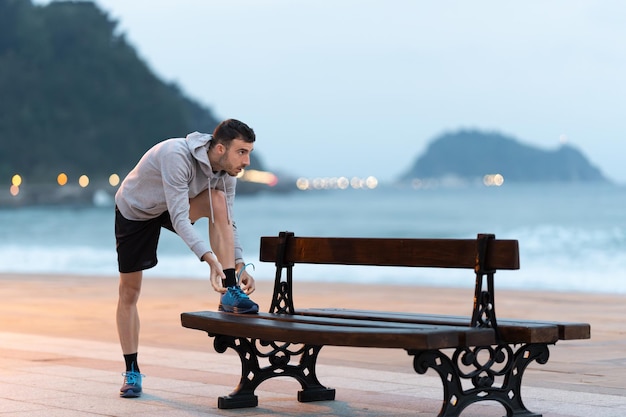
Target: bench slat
{"points": [[335, 332], [467, 336], [511, 331], [436, 253]]}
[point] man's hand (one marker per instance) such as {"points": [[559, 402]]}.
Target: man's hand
{"points": [[246, 282], [217, 274]]}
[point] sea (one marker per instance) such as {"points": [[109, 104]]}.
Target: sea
{"points": [[572, 237]]}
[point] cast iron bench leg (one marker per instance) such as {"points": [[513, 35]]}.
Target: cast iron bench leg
{"points": [[279, 356], [482, 365]]}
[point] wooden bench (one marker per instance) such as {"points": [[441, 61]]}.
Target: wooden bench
{"points": [[477, 350]]}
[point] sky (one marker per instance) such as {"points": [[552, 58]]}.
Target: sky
{"points": [[361, 87]]}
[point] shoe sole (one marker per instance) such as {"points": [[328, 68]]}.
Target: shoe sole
{"points": [[252, 310], [130, 394]]}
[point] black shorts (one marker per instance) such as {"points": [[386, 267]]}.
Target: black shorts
{"points": [[137, 241]]}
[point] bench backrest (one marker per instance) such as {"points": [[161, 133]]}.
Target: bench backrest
{"points": [[437, 253], [484, 255]]}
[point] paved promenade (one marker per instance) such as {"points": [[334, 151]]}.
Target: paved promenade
{"points": [[59, 355]]}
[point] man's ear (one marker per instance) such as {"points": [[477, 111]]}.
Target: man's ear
{"points": [[220, 148]]}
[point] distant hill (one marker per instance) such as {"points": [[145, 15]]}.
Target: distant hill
{"points": [[76, 97], [471, 154]]}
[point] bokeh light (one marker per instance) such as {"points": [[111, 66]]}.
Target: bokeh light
{"points": [[259, 177], [336, 183], [493, 180], [114, 180], [83, 181], [62, 179], [16, 180]]}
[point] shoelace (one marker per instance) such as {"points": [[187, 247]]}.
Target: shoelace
{"points": [[243, 269], [131, 377], [237, 293]]}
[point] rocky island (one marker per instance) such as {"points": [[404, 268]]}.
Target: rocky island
{"points": [[470, 155]]}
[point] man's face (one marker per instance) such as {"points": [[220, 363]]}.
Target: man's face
{"points": [[235, 158]]}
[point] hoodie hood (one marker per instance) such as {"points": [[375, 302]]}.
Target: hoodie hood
{"points": [[198, 144]]}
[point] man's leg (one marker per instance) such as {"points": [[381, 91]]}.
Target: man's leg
{"points": [[127, 317], [127, 313], [222, 239], [221, 234]]}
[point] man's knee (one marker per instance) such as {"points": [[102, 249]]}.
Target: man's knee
{"points": [[130, 287], [210, 206], [218, 199], [218, 209]]}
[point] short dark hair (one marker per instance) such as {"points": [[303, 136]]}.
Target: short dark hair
{"points": [[231, 129]]}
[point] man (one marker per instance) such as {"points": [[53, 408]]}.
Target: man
{"points": [[177, 182]]}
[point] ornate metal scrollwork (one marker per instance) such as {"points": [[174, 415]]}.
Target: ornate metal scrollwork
{"points": [[495, 374], [472, 363], [484, 314], [282, 299], [282, 302], [280, 359], [484, 311]]}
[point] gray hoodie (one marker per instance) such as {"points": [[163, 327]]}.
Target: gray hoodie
{"points": [[166, 177]]}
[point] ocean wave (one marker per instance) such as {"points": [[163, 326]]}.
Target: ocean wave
{"points": [[542, 267], [568, 240]]}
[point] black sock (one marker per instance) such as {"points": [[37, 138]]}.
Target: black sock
{"points": [[131, 362], [231, 278]]}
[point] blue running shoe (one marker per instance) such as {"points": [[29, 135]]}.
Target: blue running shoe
{"points": [[132, 385], [234, 300]]}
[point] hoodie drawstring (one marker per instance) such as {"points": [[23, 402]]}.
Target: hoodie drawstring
{"points": [[228, 214], [211, 202]]}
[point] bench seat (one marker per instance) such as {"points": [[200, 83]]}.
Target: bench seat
{"points": [[332, 331]]}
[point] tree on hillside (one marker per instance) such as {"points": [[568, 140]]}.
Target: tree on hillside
{"points": [[76, 97]]}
